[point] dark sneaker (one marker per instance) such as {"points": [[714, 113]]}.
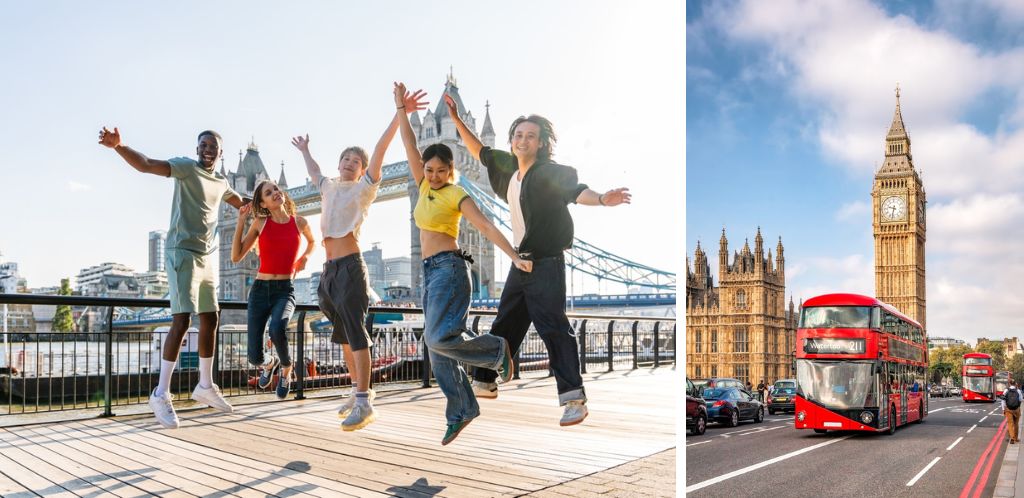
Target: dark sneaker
{"points": [[453, 431], [284, 385], [267, 374], [506, 369]]}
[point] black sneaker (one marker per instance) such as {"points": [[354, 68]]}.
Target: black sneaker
{"points": [[284, 386], [267, 374]]}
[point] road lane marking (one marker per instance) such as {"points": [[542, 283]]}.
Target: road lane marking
{"points": [[983, 419], [761, 430], [695, 444], [919, 474], [937, 409], [972, 428], [961, 438], [989, 453], [787, 419], [730, 475]]}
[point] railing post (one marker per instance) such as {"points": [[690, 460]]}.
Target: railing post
{"points": [[515, 366], [299, 365], [108, 374], [675, 345], [636, 323], [657, 354], [476, 325], [611, 345], [582, 335], [426, 362]]}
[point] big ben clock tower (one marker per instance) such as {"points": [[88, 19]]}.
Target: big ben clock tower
{"points": [[898, 212]]}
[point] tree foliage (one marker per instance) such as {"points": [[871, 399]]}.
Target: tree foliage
{"points": [[62, 321]]}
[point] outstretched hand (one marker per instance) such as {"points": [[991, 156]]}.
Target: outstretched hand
{"points": [[523, 264], [301, 143], [453, 107], [616, 196], [110, 138], [410, 102]]}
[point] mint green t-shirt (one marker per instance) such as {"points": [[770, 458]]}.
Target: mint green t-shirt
{"points": [[197, 197]]}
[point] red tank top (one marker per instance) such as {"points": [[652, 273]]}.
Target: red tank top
{"points": [[279, 246]]}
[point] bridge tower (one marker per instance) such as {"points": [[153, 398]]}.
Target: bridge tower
{"points": [[437, 127]]}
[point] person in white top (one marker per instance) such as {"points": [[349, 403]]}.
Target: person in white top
{"points": [[343, 294]]}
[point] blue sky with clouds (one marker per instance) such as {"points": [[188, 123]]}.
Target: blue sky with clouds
{"points": [[788, 104], [161, 73]]}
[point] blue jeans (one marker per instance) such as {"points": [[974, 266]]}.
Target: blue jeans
{"points": [[539, 297], [446, 293], [273, 300]]}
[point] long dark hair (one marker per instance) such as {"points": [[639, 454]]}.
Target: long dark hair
{"points": [[444, 154]]}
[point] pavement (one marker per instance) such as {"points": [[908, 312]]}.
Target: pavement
{"points": [[1011, 472]]}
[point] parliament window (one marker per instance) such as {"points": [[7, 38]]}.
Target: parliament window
{"points": [[741, 299], [714, 341], [698, 339], [740, 340]]}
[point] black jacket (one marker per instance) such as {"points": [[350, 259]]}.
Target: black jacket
{"points": [[547, 189]]}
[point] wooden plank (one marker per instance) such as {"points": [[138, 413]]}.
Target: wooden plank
{"points": [[9, 488], [125, 470], [18, 469]]}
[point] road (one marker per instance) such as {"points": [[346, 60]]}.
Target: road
{"points": [[956, 449]]}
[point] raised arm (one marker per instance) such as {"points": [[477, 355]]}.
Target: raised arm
{"points": [[404, 104], [240, 246], [610, 198], [300, 264], [377, 159], [468, 137], [302, 143], [473, 214], [135, 159]]}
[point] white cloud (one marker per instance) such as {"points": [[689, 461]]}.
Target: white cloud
{"points": [[74, 186], [854, 211], [843, 60]]}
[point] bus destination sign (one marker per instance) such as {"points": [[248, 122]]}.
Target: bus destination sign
{"points": [[829, 345]]}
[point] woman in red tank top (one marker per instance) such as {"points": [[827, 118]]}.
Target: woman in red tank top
{"points": [[277, 229]]}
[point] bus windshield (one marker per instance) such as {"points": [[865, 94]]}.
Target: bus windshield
{"points": [[844, 385], [978, 384], [977, 361], [828, 317]]}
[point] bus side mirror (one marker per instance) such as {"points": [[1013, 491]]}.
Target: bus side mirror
{"points": [[878, 367]]}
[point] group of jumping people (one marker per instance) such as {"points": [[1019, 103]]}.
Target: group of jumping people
{"points": [[538, 192]]}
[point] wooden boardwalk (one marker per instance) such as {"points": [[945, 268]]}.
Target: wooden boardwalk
{"points": [[296, 448]]}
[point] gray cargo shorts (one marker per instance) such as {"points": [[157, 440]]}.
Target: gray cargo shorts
{"points": [[344, 299]]}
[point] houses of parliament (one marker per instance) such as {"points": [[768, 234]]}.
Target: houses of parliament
{"points": [[743, 329]]}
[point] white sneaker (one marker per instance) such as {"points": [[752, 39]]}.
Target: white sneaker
{"points": [[361, 416], [575, 412], [212, 397], [164, 410], [346, 407], [487, 390]]}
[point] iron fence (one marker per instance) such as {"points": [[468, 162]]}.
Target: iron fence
{"points": [[112, 361]]}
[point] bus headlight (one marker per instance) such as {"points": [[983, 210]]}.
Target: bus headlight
{"points": [[866, 417], [800, 416]]}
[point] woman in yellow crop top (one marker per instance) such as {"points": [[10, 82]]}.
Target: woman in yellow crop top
{"points": [[446, 284]]}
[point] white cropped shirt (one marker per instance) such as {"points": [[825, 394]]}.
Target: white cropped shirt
{"points": [[344, 204]]}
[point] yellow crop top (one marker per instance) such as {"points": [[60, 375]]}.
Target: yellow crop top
{"points": [[438, 210]]}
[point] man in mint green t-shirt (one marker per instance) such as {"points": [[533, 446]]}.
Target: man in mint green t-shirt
{"points": [[191, 260]]}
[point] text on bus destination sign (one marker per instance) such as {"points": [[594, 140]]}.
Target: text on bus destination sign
{"points": [[829, 345]]}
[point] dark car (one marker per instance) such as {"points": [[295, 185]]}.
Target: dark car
{"points": [[731, 404], [724, 382], [782, 400], [696, 410]]}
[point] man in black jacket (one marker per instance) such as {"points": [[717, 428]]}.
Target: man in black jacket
{"points": [[538, 192]]}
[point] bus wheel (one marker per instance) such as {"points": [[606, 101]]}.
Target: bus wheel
{"points": [[920, 411], [892, 421], [760, 416], [820, 431]]}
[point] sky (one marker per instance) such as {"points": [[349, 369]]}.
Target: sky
{"points": [[788, 104], [608, 76]]}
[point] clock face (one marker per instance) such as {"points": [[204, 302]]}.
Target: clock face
{"points": [[894, 208]]}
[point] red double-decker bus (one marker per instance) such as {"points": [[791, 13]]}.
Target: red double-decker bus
{"points": [[861, 365], [979, 378]]}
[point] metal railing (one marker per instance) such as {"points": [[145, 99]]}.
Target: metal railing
{"points": [[109, 363]]}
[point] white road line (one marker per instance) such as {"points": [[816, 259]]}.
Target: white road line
{"points": [[937, 409], [782, 420], [954, 443], [983, 419], [919, 474], [761, 430], [972, 428], [695, 444], [730, 475]]}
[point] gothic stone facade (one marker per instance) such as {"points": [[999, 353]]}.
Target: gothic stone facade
{"points": [[898, 212], [741, 328]]}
